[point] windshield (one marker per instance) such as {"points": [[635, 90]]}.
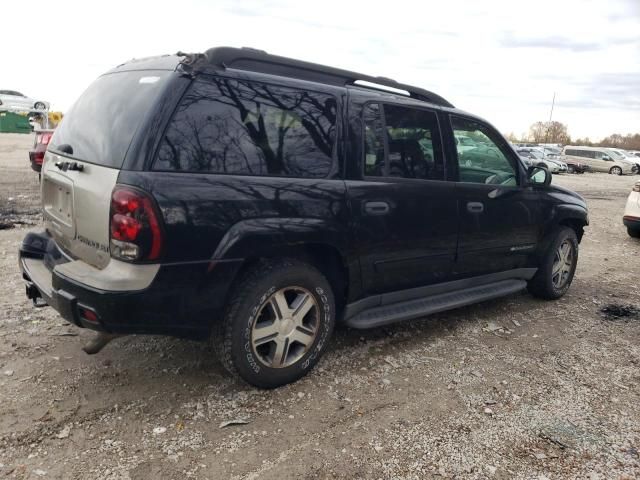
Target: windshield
{"points": [[101, 124], [615, 154]]}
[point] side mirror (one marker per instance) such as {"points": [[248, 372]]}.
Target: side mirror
{"points": [[606, 158], [539, 175]]}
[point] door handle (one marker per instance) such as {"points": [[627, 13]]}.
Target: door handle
{"points": [[376, 208], [475, 207]]}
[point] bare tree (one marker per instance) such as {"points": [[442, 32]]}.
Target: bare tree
{"points": [[537, 132], [549, 132]]}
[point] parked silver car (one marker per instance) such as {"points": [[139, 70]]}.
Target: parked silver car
{"points": [[12, 100], [600, 159]]}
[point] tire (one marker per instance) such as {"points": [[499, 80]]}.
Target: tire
{"points": [[633, 233], [615, 171], [547, 283], [266, 299], [40, 106]]}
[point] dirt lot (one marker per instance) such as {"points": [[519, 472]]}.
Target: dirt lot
{"points": [[554, 393]]}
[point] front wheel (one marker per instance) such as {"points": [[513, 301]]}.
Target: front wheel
{"points": [[278, 323], [557, 266], [633, 233], [615, 171], [40, 106]]}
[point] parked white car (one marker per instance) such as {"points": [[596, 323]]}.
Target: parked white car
{"points": [[12, 100], [631, 217], [536, 157]]}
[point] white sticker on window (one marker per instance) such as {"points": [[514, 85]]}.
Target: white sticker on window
{"points": [[148, 79]]}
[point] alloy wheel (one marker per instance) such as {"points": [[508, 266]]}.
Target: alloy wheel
{"points": [[286, 327], [562, 264]]}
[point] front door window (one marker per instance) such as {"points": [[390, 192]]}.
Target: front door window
{"points": [[481, 159]]}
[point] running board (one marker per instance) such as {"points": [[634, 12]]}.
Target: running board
{"points": [[419, 307]]}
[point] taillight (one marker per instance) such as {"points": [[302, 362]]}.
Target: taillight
{"points": [[636, 187], [38, 157], [46, 137], [136, 234]]}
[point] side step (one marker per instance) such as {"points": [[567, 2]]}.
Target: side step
{"points": [[416, 308]]}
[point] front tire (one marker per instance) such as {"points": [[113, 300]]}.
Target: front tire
{"points": [[557, 266], [615, 171], [278, 323], [633, 233], [40, 106]]}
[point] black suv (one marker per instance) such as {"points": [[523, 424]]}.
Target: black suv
{"points": [[256, 200]]}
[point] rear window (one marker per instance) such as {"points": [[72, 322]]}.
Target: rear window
{"points": [[101, 124], [237, 127]]}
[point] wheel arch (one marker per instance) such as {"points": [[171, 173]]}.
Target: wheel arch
{"points": [[572, 216], [315, 241]]}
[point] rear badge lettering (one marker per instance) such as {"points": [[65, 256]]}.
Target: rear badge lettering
{"points": [[93, 244]]}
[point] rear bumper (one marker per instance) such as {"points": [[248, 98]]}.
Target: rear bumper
{"points": [[579, 168], [181, 301], [631, 222]]}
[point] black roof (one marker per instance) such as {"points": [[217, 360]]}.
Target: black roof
{"points": [[260, 61]]}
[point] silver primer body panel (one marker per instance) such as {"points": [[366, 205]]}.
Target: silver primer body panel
{"points": [[117, 276], [76, 208]]}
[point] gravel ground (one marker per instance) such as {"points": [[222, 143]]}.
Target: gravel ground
{"points": [[512, 388]]}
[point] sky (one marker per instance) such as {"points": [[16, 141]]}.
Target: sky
{"points": [[502, 60]]}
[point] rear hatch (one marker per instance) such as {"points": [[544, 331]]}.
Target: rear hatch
{"points": [[85, 156]]}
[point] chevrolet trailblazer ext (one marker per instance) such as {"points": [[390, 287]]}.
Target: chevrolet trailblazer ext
{"points": [[254, 201]]}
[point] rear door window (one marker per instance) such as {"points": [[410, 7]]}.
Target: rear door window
{"points": [[242, 127], [402, 142], [99, 127], [374, 157]]}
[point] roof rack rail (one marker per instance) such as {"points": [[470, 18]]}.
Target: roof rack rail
{"points": [[260, 61]]}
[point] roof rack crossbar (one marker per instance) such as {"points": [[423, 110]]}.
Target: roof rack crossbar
{"points": [[260, 61]]}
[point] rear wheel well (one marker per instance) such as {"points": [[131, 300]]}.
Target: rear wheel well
{"points": [[325, 258], [576, 225]]}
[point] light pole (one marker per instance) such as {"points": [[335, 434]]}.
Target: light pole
{"points": [[553, 102]]}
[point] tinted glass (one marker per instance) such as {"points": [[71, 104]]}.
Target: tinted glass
{"points": [[413, 138], [239, 127], [99, 127], [486, 161], [572, 152], [373, 141]]}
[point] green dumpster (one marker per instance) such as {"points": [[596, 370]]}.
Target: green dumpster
{"points": [[14, 123]]}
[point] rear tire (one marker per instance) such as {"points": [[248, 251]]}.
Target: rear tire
{"points": [[277, 324], [40, 106], [633, 233], [615, 171], [557, 266]]}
